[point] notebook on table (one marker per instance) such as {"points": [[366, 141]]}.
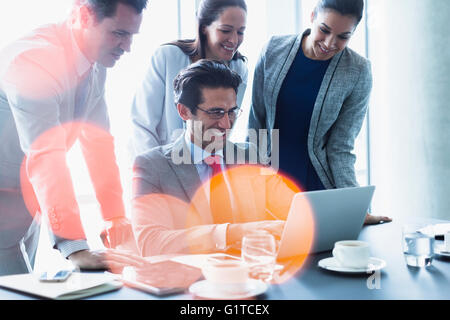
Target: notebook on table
{"points": [[77, 286]]}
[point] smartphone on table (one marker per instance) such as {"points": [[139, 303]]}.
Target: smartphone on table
{"points": [[60, 276]]}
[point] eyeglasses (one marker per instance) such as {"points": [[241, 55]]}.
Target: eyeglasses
{"points": [[218, 113]]}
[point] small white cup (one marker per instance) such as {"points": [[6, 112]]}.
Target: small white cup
{"points": [[352, 254], [230, 276], [447, 241]]}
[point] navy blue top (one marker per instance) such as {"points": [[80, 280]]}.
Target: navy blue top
{"points": [[295, 106]]}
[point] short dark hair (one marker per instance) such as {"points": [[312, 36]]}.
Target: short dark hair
{"points": [[202, 74], [354, 8], [208, 11], [107, 8]]}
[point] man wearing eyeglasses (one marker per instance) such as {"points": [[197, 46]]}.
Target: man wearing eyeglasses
{"points": [[188, 198]]}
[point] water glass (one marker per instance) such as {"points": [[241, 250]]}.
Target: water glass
{"points": [[259, 253], [418, 247]]}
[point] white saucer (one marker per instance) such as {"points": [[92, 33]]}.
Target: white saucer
{"points": [[205, 289], [440, 250], [332, 264]]}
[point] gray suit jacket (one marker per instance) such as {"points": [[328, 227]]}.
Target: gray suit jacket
{"points": [[39, 76], [338, 113], [171, 213]]}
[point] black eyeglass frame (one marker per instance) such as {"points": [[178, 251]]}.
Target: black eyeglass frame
{"points": [[219, 113]]}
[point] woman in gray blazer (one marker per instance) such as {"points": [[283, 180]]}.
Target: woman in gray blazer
{"points": [[315, 90]]}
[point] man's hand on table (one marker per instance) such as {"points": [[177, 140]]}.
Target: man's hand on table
{"points": [[118, 234], [109, 259]]}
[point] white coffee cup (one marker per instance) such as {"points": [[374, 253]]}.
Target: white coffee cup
{"points": [[227, 275], [352, 254]]}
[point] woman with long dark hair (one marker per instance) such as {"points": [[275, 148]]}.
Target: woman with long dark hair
{"points": [[221, 27], [315, 91]]}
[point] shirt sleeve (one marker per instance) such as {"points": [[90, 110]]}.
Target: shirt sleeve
{"points": [[97, 145], [35, 99], [243, 72], [257, 118], [220, 236], [148, 105], [347, 127]]}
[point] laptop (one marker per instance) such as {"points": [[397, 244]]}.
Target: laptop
{"points": [[335, 215]]}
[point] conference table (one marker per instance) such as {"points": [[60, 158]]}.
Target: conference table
{"points": [[396, 281]]}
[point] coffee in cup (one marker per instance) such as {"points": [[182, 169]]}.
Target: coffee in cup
{"points": [[352, 254]]}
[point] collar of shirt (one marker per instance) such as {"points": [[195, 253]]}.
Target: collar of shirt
{"points": [[82, 63], [198, 154]]}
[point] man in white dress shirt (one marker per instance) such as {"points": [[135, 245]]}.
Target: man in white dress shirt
{"points": [[52, 94]]}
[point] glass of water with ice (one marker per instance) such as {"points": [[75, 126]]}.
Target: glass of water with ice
{"points": [[418, 245], [259, 253]]}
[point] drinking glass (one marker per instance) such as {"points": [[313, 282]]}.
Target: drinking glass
{"points": [[259, 253], [418, 245]]}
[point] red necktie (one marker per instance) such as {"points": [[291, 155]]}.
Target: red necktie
{"points": [[220, 200], [214, 162]]}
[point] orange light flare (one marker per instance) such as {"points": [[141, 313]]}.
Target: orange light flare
{"points": [[257, 195], [160, 224], [46, 182]]}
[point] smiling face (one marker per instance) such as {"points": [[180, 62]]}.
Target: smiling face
{"points": [[226, 34], [330, 34], [105, 41], [213, 131]]}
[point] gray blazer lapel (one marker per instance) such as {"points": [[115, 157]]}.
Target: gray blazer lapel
{"points": [[186, 172], [188, 177], [318, 106], [315, 128]]}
